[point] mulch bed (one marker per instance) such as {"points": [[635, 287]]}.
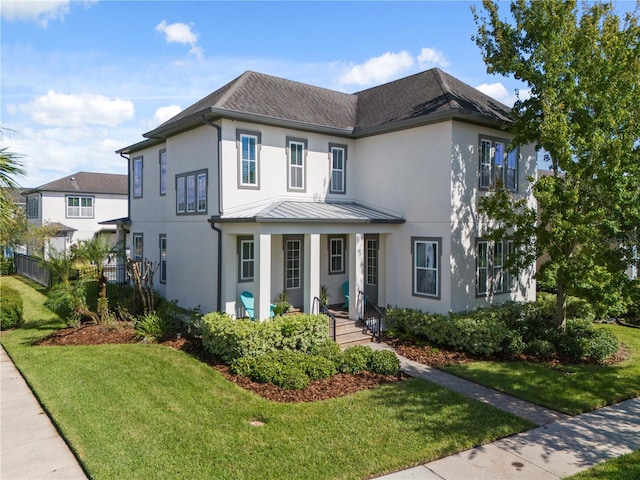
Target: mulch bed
{"points": [[336, 386]]}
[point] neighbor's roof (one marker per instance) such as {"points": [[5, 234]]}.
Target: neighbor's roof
{"points": [[425, 97], [312, 212], [87, 182]]}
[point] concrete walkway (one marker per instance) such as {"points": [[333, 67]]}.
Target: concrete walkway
{"points": [[30, 447]]}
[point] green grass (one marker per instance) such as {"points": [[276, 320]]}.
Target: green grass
{"points": [[570, 389], [148, 411], [625, 467]]}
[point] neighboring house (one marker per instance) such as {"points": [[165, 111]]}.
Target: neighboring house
{"points": [[76, 205], [15, 195], [269, 185]]}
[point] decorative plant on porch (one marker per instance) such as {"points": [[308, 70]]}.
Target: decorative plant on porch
{"points": [[282, 304]]}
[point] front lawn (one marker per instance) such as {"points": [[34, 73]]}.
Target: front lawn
{"points": [[570, 389], [149, 411], [625, 467]]}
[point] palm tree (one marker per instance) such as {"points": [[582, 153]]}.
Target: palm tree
{"points": [[10, 167]]}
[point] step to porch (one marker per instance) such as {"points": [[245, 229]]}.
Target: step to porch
{"points": [[350, 333]]}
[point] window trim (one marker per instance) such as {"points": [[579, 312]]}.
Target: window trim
{"points": [[492, 166], [162, 162], [162, 238], [343, 255], [138, 191], [80, 198], [290, 166], [332, 147], [242, 240], [438, 269], [240, 134], [182, 184]]}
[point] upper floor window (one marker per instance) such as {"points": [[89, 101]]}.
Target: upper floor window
{"points": [[297, 151], [248, 159], [498, 167], [32, 207], [79, 207], [338, 154], [191, 192], [426, 267], [336, 255], [163, 172], [246, 259], [137, 177]]}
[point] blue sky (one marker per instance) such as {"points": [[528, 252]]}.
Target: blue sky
{"points": [[81, 79]]}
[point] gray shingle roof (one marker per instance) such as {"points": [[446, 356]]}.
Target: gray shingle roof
{"points": [[425, 96], [313, 212], [87, 182]]}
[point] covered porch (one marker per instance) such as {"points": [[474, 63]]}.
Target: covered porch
{"points": [[298, 248]]}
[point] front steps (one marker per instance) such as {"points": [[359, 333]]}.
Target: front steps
{"points": [[350, 332]]}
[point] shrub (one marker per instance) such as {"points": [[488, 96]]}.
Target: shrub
{"points": [[583, 341], [384, 362], [543, 349], [356, 359], [11, 308], [601, 346], [152, 327], [6, 266], [230, 339], [331, 351]]}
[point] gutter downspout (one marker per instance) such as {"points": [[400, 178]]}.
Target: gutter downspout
{"points": [[213, 226], [128, 159]]}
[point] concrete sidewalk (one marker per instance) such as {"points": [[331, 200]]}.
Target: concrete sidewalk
{"points": [[30, 446], [548, 452]]}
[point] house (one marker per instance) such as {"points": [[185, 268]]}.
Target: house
{"points": [[269, 185], [76, 205]]}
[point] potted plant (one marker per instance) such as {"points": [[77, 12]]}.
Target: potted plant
{"points": [[282, 305]]}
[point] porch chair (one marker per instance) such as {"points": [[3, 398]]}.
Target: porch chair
{"points": [[345, 292], [247, 303]]}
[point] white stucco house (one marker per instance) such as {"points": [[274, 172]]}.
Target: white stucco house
{"points": [[270, 185], [76, 205]]}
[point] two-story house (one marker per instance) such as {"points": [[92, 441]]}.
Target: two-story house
{"points": [[76, 204], [269, 185]]}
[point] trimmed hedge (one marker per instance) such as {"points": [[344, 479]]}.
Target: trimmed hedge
{"points": [[232, 339], [11, 308]]}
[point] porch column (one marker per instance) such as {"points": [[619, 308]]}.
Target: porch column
{"points": [[311, 269], [356, 272], [262, 295], [230, 301]]}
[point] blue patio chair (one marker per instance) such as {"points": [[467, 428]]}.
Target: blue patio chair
{"points": [[345, 292], [247, 303]]}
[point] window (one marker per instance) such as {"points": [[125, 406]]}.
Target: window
{"points": [[137, 177], [32, 207], [336, 255], [163, 258], [191, 193], [426, 267], [498, 168], [163, 172], [372, 261], [297, 151], [79, 207], [248, 158], [491, 275], [246, 259], [338, 154], [138, 251]]}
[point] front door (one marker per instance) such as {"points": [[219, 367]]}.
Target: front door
{"points": [[293, 273], [371, 268]]}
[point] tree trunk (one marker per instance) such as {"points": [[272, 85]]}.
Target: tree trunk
{"points": [[560, 313]]}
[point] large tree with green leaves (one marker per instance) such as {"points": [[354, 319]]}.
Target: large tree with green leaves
{"points": [[10, 168], [582, 66]]}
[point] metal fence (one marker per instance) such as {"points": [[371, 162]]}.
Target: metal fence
{"points": [[33, 268]]}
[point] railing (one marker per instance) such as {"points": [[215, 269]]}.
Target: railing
{"points": [[372, 317], [33, 268], [321, 308]]}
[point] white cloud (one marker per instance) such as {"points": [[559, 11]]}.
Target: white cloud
{"points": [[40, 11], [59, 109], [163, 114], [377, 69], [181, 33], [431, 57], [499, 92]]}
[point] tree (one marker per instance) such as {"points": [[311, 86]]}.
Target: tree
{"points": [[10, 168], [583, 71]]}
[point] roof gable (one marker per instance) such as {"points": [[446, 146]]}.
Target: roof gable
{"points": [[87, 182]]}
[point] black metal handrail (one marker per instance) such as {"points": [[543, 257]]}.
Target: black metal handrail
{"points": [[320, 308], [371, 316]]}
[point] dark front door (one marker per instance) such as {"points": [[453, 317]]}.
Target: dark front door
{"points": [[371, 243], [293, 272]]}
